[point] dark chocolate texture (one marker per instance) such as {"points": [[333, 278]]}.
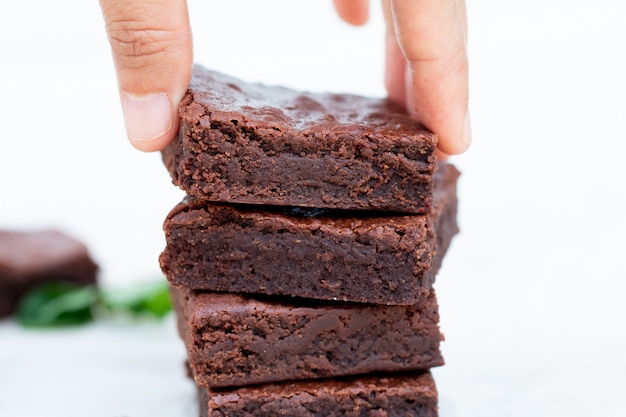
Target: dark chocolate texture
{"points": [[32, 258], [389, 259], [405, 395], [235, 340], [256, 144]]}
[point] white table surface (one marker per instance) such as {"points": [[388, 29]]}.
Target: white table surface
{"points": [[531, 292]]}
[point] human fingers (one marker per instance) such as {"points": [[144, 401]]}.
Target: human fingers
{"points": [[432, 37], [152, 50], [355, 12]]}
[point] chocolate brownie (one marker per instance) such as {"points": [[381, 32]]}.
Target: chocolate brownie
{"points": [[31, 258], [237, 340], [406, 395], [333, 255], [256, 144]]}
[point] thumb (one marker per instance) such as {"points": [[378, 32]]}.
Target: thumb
{"points": [[152, 51]]}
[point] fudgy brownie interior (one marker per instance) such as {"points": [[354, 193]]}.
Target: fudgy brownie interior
{"points": [[237, 340], [336, 255], [410, 395]]}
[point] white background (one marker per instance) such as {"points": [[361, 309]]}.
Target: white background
{"points": [[531, 293]]}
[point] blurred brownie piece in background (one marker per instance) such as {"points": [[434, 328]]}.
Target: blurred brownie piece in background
{"points": [[32, 258]]}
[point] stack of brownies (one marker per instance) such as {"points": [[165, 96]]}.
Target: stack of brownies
{"points": [[303, 257]]}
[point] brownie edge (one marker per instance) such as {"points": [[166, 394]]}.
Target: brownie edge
{"points": [[406, 395], [256, 144]]}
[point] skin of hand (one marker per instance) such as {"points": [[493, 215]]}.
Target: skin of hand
{"points": [[426, 65], [153, 55]]}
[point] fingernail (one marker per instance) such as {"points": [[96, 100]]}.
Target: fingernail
{"points": [[467, 132], [146, 117]]}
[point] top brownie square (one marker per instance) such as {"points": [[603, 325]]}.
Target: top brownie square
{"points": [[257, 144]]}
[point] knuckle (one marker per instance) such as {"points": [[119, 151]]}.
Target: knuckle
{"points": [[441, 64], [136, 44]]}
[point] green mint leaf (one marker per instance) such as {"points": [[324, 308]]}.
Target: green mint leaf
{"points": [[66, 304], [151, 299], [57, 304]]}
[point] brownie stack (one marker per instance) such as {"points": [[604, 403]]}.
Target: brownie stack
{"points": [[303, 257]]}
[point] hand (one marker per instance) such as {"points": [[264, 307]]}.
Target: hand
{"points": [[426, 63]]}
